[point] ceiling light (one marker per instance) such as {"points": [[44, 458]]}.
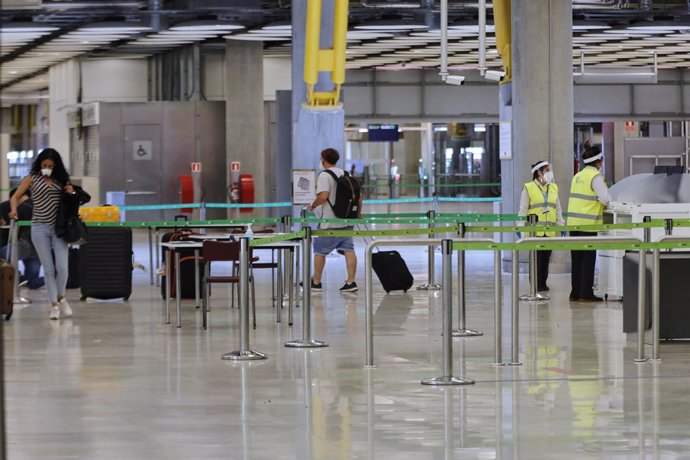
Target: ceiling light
{"points": [[206, 26], [25, 27], [283, 26], [116, 27], [257, 38], [659, 26], [469, 26], [391, 25], [589, 25]]}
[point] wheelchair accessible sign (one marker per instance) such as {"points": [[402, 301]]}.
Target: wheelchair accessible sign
{"points": [[142, 150]]}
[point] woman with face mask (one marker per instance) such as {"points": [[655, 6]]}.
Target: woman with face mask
{"points": [[47, 181], [540, 197]]}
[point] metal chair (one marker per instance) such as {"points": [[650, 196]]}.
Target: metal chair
{"points": [[223, 251]]}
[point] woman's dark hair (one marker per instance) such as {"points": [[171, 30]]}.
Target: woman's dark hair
{"points": [[60, 174], [330, 156], [589, 152], [535, 174]]}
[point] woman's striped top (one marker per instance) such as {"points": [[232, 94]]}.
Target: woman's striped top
{"points": [[46, 199]]}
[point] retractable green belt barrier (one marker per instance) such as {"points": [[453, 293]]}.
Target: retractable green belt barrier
{"points": [[277, 239], [282, 204], [394, 215], [386, 184], [179, 224], [564, 228], [469, 245], [402, 232], [159, 207]]}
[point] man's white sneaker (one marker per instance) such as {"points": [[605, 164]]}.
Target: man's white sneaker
{"points": [[66, 309], [55, 312]]}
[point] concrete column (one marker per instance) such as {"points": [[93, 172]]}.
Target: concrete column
{"points": [[313, 130], [541, 99], [244, 112]]}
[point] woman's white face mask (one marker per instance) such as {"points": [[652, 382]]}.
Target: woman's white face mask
{"points": [[46, 172], [548, 177]]}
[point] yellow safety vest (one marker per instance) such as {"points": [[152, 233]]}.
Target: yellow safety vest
{"points": [[584, 208], [543, 204]]}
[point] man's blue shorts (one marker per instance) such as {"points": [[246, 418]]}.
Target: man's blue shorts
{"points": [[324, 245]]}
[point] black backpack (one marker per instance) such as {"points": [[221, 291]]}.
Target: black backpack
{"points": [[347, 196]]}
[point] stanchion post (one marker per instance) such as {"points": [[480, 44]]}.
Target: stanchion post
{"points": [[369, 308], [533, 296], [447, 299], [498, 311], [306, 341], [641, 305], [244, 353], [14, 261], [515, 311], [430, 285], [462, 330], [656, 297]]}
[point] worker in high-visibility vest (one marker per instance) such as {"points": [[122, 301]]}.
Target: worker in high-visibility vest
{"points": [[589, 195], [540, 197]]}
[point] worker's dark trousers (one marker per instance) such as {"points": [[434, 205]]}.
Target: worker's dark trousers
{"points": [[582, 276]]}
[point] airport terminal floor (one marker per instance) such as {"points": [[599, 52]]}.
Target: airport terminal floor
{"points": [[115, 382]]}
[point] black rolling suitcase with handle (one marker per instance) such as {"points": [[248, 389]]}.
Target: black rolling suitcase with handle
{"points": [[391, 270], [105, 263]]}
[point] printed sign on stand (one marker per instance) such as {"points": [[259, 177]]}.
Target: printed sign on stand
{"points": [[303, 186], [196, 167]]}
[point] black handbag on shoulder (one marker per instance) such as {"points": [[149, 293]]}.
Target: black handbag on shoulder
{"points": [[69, 225], [75, 231]]}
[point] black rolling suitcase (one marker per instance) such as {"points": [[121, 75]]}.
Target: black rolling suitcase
{"points": [[73, 269], [392, 271], [105, 263]]}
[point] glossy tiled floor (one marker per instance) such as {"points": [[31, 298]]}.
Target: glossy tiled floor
{"points": [[114, 382]]}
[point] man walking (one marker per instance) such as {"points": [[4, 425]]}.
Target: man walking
{"points": [[328, 187]]}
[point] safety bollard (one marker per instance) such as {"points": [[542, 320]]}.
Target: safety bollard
{"points": [[641, 305], [306, 341], [515, 312], [447, 299], [656, 305], [462, 330], [14, 261], [430, 285], [498, 311], [244, 353], [533, 295]]}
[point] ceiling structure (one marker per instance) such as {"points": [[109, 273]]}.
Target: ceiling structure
{"points": [[388, 34]]}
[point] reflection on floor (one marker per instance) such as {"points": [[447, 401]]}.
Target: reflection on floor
{"points": [[115, 382]]}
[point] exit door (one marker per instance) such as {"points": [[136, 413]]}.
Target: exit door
{"points": [[142, 165]]}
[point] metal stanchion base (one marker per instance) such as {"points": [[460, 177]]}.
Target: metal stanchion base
{"points": [[429, 287], [534, 298], [306, 344], [466, 333], [515, 364], [21, 300], [447, 380], [247, 355], [640, 360], [655, 361], [498, 364]]}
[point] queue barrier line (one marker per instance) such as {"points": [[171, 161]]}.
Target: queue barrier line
{"points": [[400, 232], [393, 215], [386, 184], [469, 245], [277, 239], [565, 228], [282, 204], [159, 207]]}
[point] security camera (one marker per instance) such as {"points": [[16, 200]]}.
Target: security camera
{"points": [[494, 75], [456, 80]]}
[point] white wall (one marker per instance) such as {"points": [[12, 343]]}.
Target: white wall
{"points": [[277, 75], [115, 80]]}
